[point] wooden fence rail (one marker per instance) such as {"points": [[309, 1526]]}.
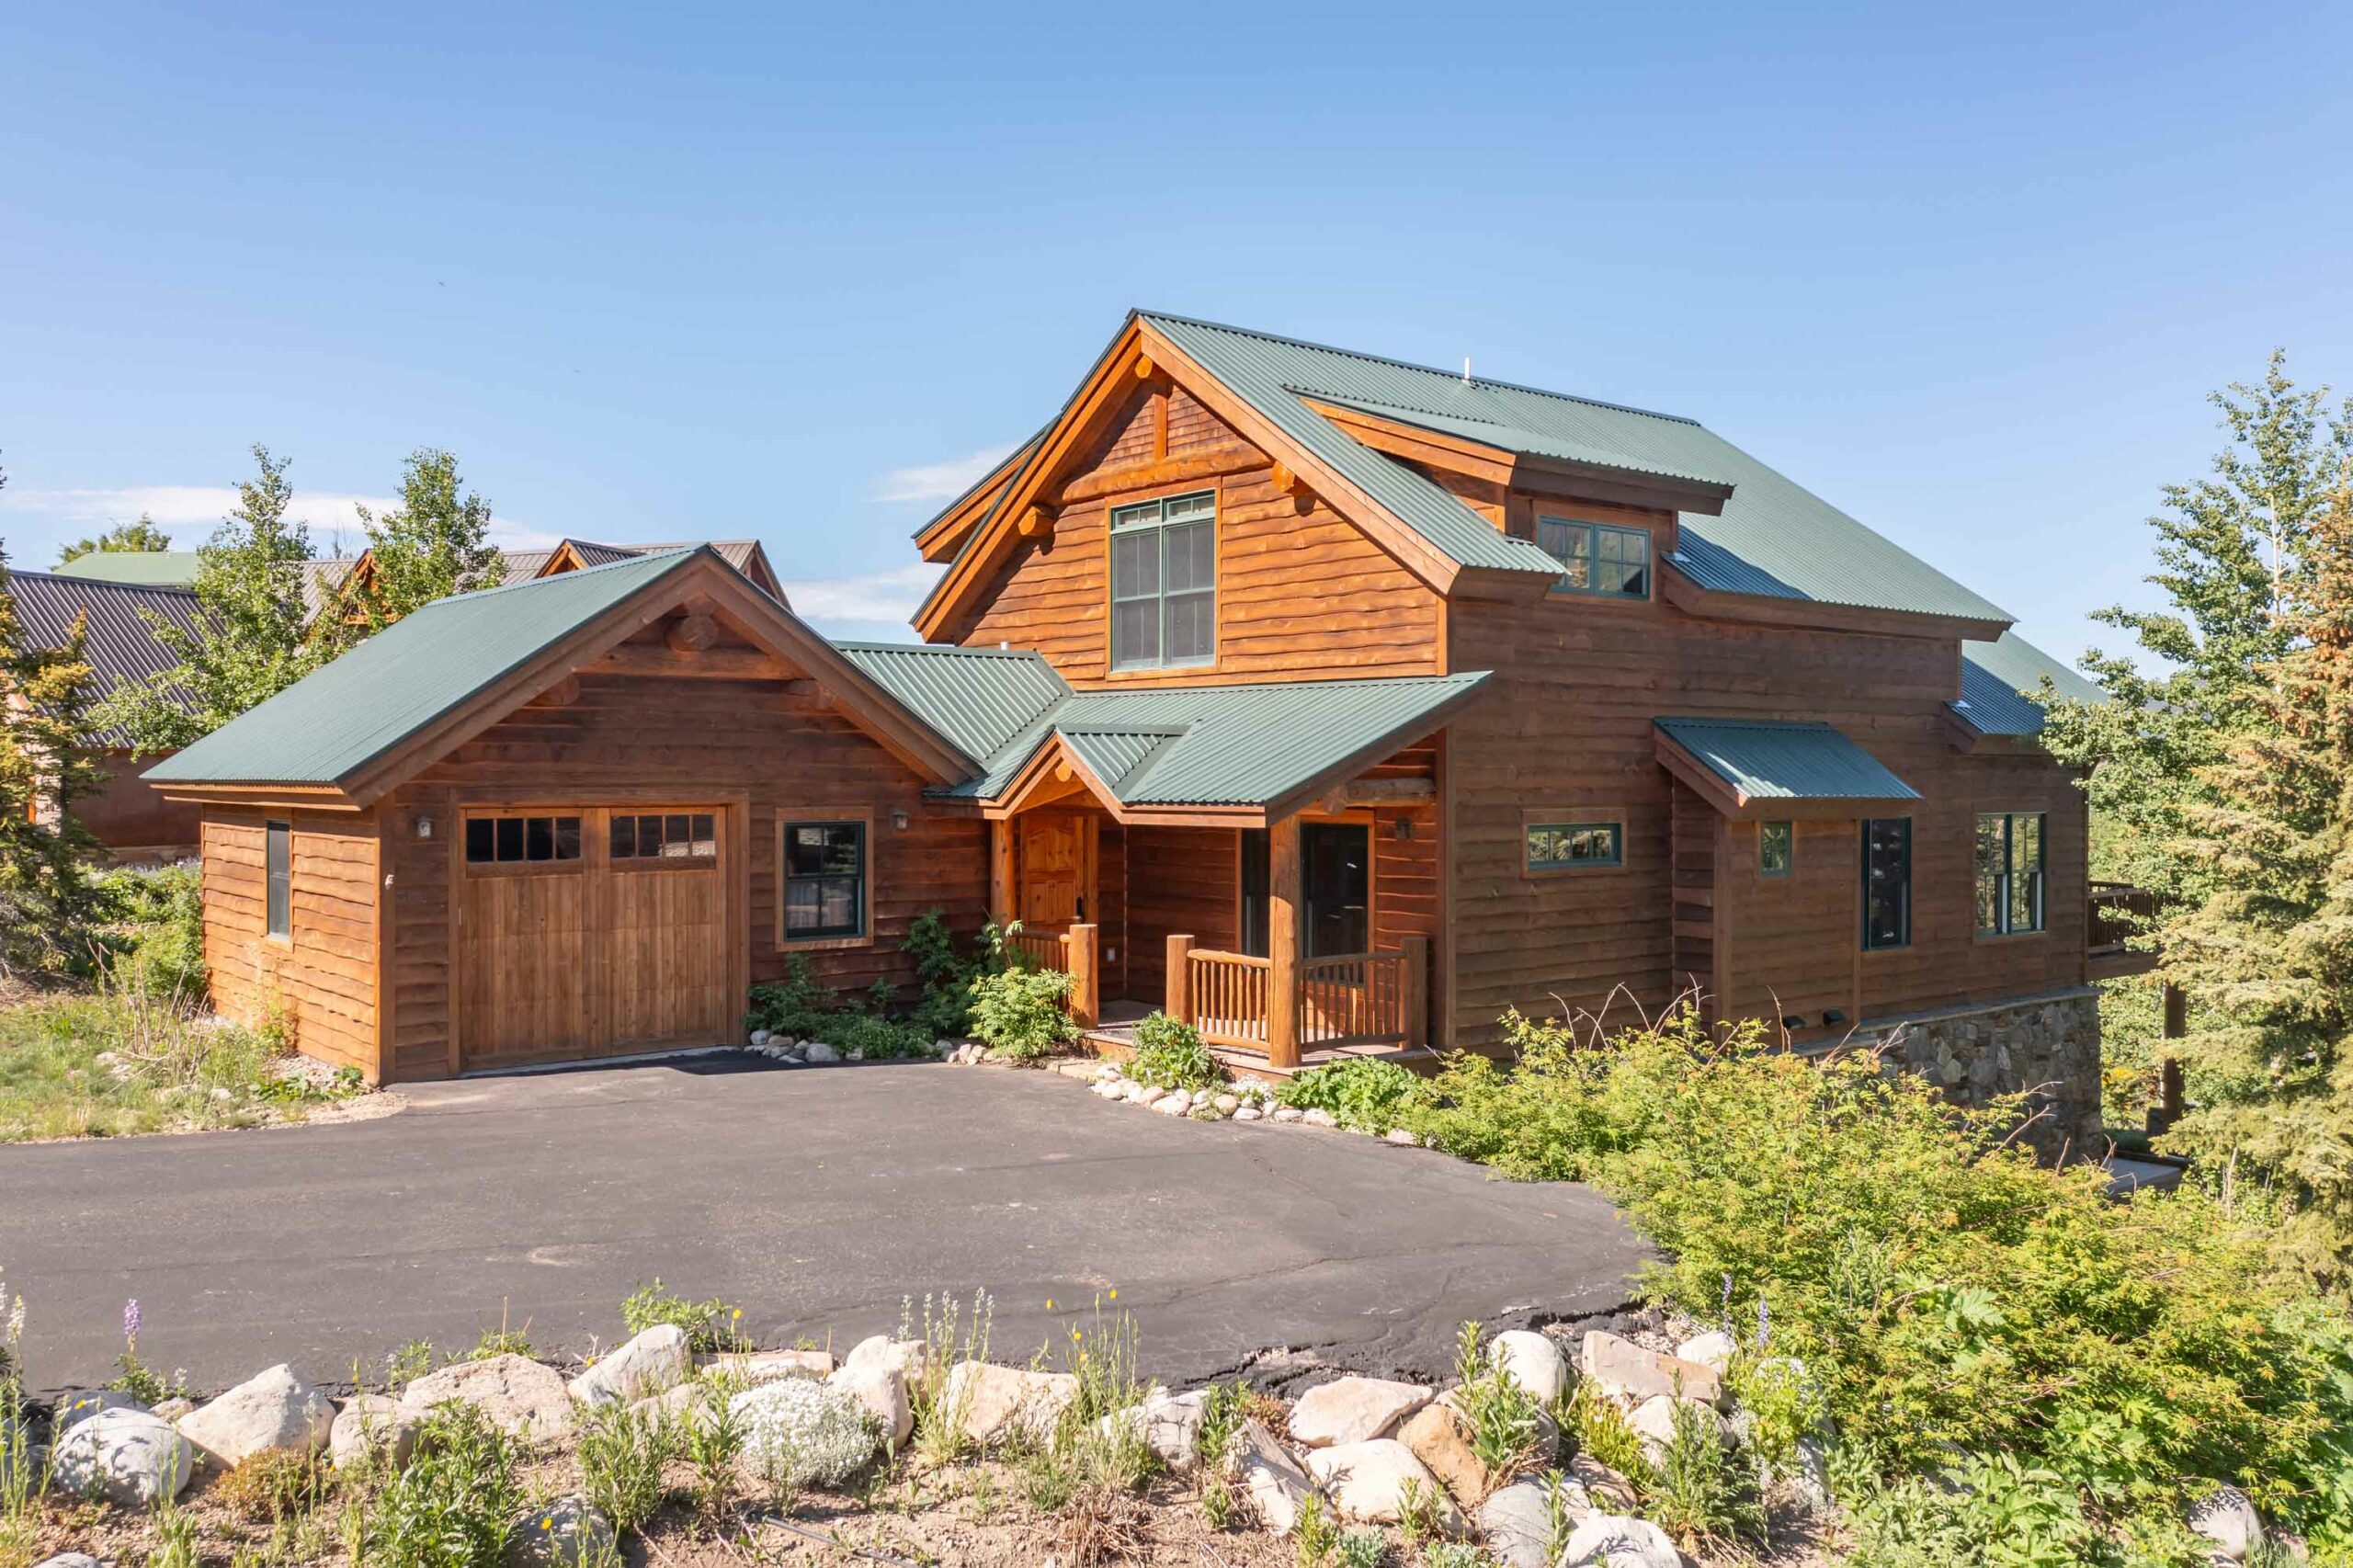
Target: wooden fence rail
{"points": [[1373, 998], [1072, 951]]}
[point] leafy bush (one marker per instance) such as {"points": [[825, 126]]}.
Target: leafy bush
{"points": [[621, 1454], [1018, 1012], [710, 1324], [455, 1504], [1503, 1420], [1944, 1294], [1170, 1055], [804, 1007], [796, 1005], [157, 930], [1696, 1492], [1361, 1092], [945, 1006]]}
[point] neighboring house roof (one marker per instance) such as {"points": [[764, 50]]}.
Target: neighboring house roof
{"points": [[1994, 677], [1774, 539], [327, 576], [145, 568], [119, 643], [1755, 760]]}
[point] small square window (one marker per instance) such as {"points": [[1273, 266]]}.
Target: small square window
{"points": [[1775, 844], [481, 840]]}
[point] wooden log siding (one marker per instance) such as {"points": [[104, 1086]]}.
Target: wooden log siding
{"points": [[636, 736], [1579, 682], [1299, 592], [322, 978]]}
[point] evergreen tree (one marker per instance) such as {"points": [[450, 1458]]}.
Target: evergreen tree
{"points": [[251, 640], [47, 907], [140, 537], [435, 545]]}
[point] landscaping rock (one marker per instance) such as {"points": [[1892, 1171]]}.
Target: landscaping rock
{"points": [[1176, 1103], [818, 1051], [1353, 1410], [804, 1432], [767, 1366], [1367, 1482], [1228, 1104], [1438, 1440], [1276, 1485], [1653, 1423], [275, 1409], [172, 1409], [1170, 1424], [911, 1356], [1518, 1521], [643, 1367], [1532, 1361], [70, 1560], [1111, 1088], [1248, 1113], [371, 1425], [1319, 1118], [1614, 1540], [761, 1037], [2228, 1519], [1714, 1349], [566, 1533], [1002, 1402], [1602, 1485], [881, 1388], [1630, 1374], [1402, 1138], [1142, 1094], [130, 1457], [74, 1408], [518, 1395]]}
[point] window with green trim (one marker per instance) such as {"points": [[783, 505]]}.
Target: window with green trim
{"points": [[2009, 874], [1776, 844], [1163, 583], [1571, 845], [1596, 558]]}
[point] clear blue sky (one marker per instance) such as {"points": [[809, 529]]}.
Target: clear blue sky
{"points": [[665, 272]]}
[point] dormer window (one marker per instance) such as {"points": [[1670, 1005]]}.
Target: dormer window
{"points": [[1163, 583], [1597, 559]]}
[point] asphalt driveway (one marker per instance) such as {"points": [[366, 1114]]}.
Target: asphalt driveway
{"points": [[817, 1198]]}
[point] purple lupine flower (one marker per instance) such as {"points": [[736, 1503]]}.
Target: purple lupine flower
{"points": [[1726, 1308], [131, 1322], [1763, 1323]]}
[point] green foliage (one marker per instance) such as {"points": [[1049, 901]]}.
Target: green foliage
{"points": [[157, 929], [251, 640], [711, 1324], [1018, 1012], [951, 1332], [276, 1484], [1602, 1430], [797, 1006], [944, 977], [48, 908], [433, 546], [142, 538], [1458, 1555], [711, 1442], [802, 1008], [501, 1341], [1502, 1421], [1360, 1092], [456, 1503], [1360, 1548], [1697, 1493], [1943, 1292], [1170, 1055], [1316, 1532], [1224, 1413], [122, 1062], [406, 1364], [621, 1453]]}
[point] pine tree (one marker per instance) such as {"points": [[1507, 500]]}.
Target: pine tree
{"points": [[47, 907], [251, 640], [435, 545], [140, 537]]}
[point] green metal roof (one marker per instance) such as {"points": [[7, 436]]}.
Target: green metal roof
{"points": [[1775, 538], [1995, 678], [1224, 746], [978, 698], [1775, 760], [144, 568], [335, 721]]}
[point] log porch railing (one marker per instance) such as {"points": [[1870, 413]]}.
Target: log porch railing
{"points": [[2113, 911], [1373, 998], [1073, 951]]}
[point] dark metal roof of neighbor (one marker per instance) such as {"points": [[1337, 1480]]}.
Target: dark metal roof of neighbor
{"points": [[1774, 538], [1995, 677], [1226, 745], [120, 642], [978, 698], [340, 718], [1769, 759], [144, 568]]}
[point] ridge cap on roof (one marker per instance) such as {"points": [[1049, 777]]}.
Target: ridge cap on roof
{"points": [[943, 648], [467, 594], [16, 573], [1424, 369], [1719, 723]]}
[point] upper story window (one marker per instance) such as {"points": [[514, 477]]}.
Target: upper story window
{"points": [[1597, 559], [1887, 883], [2009, 874], [1163, 583]]}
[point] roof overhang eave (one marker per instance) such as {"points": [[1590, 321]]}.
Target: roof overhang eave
{"points": [[1736, 804]]}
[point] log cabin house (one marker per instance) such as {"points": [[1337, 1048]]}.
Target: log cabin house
{"points": [[1334, 704]]}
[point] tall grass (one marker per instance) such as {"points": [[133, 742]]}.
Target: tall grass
{"points": [[951, 1332]]}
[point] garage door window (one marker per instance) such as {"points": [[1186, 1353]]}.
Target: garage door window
{"points": [[492, 843], [824, 880], [650, 839]]}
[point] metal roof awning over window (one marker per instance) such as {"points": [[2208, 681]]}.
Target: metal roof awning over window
{"points": [[1751, 768]]}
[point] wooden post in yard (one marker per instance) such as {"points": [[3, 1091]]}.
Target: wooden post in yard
{"points": [[1180, 979], [1085, 976], [1001, 872], [1414, 996], [1283, 935], [2168, 1110]]}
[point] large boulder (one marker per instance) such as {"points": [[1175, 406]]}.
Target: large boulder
{"points": [[124, 1455], [1368, 1482], [275, 1409], [911, 1356], [1630, 1374], [74, 1408], [1275, 1483], [1714, 1348], [994, 1403], [1436, 1435], [1169, 1424], [767, 1366], [1518, 1520], [566, 1533], [1532, 1361], [372, 1426], [1614, 1540], [1653, 1423], [802, 1432], [518, 1395], [2227, 1519], [881, 1388], [1354, 1409], [639, 1368]]}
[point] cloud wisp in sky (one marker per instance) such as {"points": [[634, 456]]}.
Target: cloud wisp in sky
{"points": [[939, 480], [890, 596], [190, 512]]}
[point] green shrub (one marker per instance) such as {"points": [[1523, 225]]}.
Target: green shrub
{"points": [[1944, 1294], [796, 1005], [1169, 1054], [455, 1504], [621, 1454], [1697, 1494], [157, 930], [1018, 1012], [1503, 1421], [710, 1323], [1361, 1092]]}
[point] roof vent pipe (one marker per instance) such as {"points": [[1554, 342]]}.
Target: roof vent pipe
{"points": [[1466, 370]]}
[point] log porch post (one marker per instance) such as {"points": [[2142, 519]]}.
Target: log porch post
{"points": [[1283, 934], [1001, 872], [1085, 976], [1180, 979]]}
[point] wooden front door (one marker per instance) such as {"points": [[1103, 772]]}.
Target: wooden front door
{"points": [[587, 931], [1056, 879]]}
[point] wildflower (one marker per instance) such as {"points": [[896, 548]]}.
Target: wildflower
{"points": [[1050, 1303], [736, 1313], [131, 1322], [1115, 1293], [547, 1524]]}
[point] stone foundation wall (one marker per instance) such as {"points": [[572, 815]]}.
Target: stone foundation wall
{"points": [[2047, 1046]]}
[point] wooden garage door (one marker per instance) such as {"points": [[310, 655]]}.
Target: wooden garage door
{"points": [[590, 931]]}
